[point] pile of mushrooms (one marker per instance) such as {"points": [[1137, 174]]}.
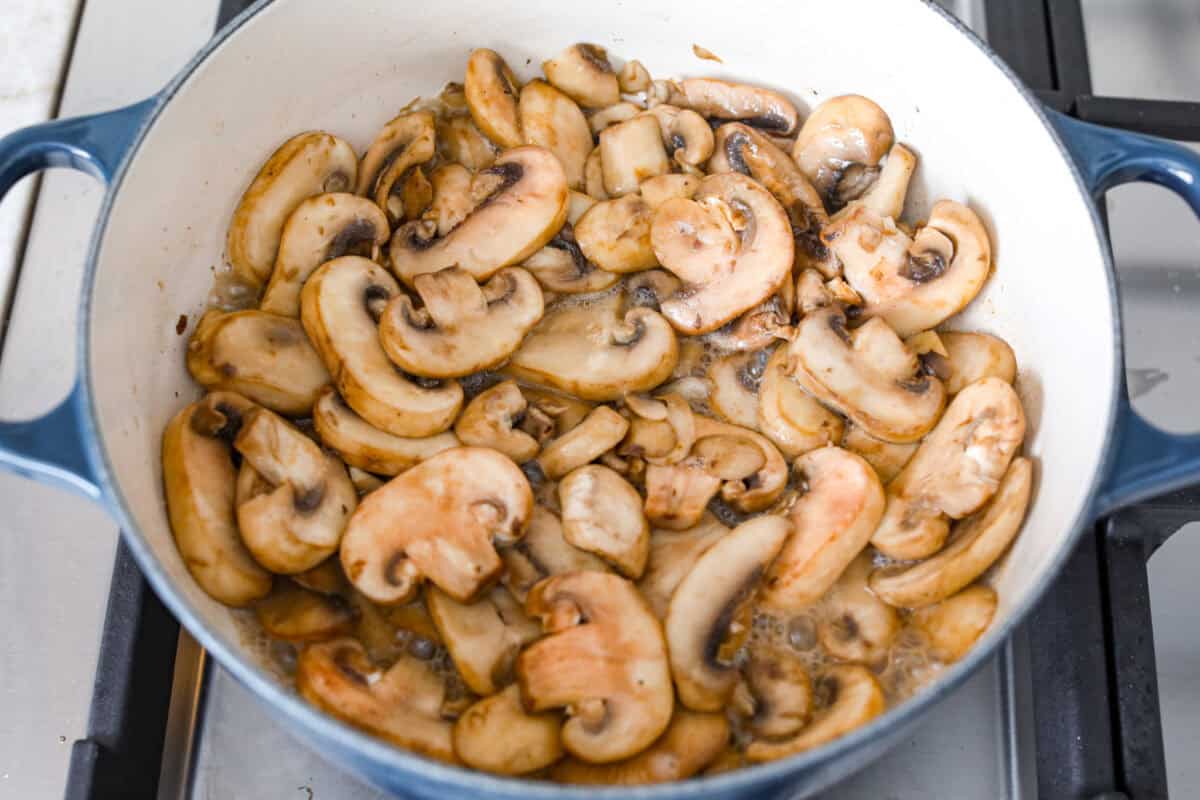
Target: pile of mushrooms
{"points": [[598, 428]]}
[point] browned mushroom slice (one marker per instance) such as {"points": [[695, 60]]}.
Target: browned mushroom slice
{"points": [[954, 471], [550, 119], [736, 381], [761, 108], [840, 146], [460, 142], [630, 152], [324, 578], [452, 198], [619, 112], [602, 513], [404, 142], [855, 624], [593, 175], [438, 521], [491, 420], [199, 479], [583, 72], [598, 433], [497, 735], [789, 416], [867, 374], [483, 637], [543, 552], [492, 90], [321, 228], [306, 164], [708, 606], [615, 234], [887, 458], [686, 135], [297, 615], [672, 555], [604, 660], [886, 196], [263, 356], [975, 544], [340, 306], [834, 520], [522, 204], [688, 745], [462, 327], [971, 357], [731, 245], [658, 190], [752, 487], [953, 625], [401, 704], [362, 445], [677, 494], [561, 266], [564, 410], [777, 698], [633, 77], [364, 482], [760, 327]]}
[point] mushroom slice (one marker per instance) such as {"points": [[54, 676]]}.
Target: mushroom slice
{"points": [[677, 494], [543, 552], [550, 119], [854, 699], [779, 694], [263, 356], [975, 356], [736, 379], [561, 266], [438, 521], [954, 471], [731, 245], [306, 164], [758, 488], [840, 145], [620, 112], [522, 204], [887, 458], [199, 479], [760, 327], [615, 234], [364, 482], [325, 578], [298, 615], [583, 72], [462, 327], [402, 704], [727, 760], [658, 190], [789, 416], [339, 307], [672, 556], [496, 735], [761, 108], [855, 624], [593, 175], [886, 195], [600, 431], [565, 411], [687, 746], [460, 142], [975, 544], [913, 284], [867, 374], [634, 77], [405, 142], [483, 637], [594, 352], [362, 445], [452, 199], [604, 660], [490, 420], [834, 520], [953, 625], [602, 513], [389, 633], [708, 605], [686, 135], [492, 90], [630, 152], [321, 228]]}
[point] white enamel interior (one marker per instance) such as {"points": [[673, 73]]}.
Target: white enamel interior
{"points": [[348, 67]]}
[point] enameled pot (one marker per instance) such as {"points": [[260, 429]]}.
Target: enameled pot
{"points": [[176, 164]]}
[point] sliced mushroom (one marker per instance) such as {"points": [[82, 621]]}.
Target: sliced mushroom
{"points": [[952, 626], [677, 494], [522, 202], [401, 704], [452, 199], [459, 141], [492, 90], [604, 660], [593, 175], [688, 745], [599, 432], [362, 445], [974, 356], [339, 307], [854, 699], [736, 381], [840, 145], [672, 556], [630, 152], [834, 519], [778, 694], [708, 605], [658, 190], [886, 195], [602, 514], [954, 472], [761, 108], [633, 77], [543, 552], [325, 578], [975, 544], [619, 112], [364, 482], [760, 327], [263, 356], [438, 521], [550, 119], [561, 266], [583, 72], [758, 487], [686, 135], [565, 411], [731, 245], [306, 164], [321, 228], [855, 624], [389, 633], [615, 234], [913, 284], [496, 735], [405, 142], [199, 480], [491, 419], [727, 760], [789, 416], [483, 637], [887, 458], [867, 374], [298, 615]]}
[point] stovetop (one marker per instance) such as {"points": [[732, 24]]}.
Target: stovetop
{"points": [[1069, 709]]}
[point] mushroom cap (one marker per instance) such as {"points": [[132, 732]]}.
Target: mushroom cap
{"points": [[463, 327], [953, 625], [491, 419], [602, 513], [630, 152], [438, 520], [584, 73], [496, 735], [604, 660], [294, 614], [730, 244], [402, 144], [855, 624], [761, 108], [524, 203], [789, 416], [362, 445], [307, 164], [483, 637], [672, 555], [339, 305], [543, 551], [492, 91], [707, 603], [615, 234], [550, 119], [600, 431], [841, 132], [265, 357]]}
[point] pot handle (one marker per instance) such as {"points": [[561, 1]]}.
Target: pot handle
{"points": [[1148, 461], [51, 447]]}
